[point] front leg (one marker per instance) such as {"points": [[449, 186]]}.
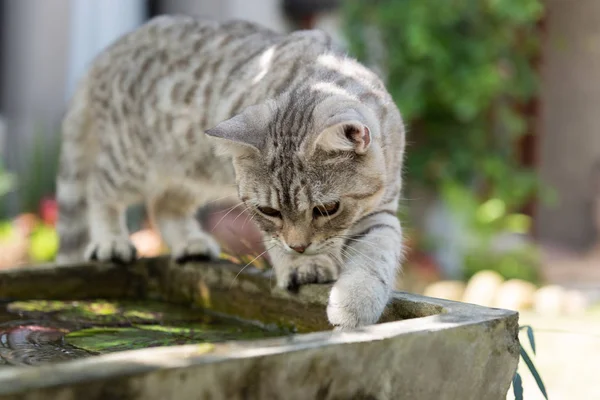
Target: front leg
{"points": [[372, 256], [293, 270]]}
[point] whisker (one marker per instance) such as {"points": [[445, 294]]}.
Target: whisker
{"points": [[245, 266], [227, 209], [220, 198], [359, 253], [235, 219], [222, 218]]}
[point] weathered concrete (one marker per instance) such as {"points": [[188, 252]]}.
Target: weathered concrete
{"points": [[434, 349]]}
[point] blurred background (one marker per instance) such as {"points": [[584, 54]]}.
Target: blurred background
{"points": [[501, 100]]}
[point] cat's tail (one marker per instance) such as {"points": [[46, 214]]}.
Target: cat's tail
{"points": [[76, 154]]}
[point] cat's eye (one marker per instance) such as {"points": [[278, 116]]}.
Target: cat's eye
{"points": [[327, 209], [270, 212]]}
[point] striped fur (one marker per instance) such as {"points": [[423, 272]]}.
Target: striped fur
{"points": [[183, 111]]}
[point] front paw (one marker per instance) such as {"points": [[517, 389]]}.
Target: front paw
{"points": [[307, 269], [197, 248], [356, 303], [119, 250]]}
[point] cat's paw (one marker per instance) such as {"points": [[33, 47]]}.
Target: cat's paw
{"points": [[117, 249], [197, 248], [355, 303], [309, 269]]}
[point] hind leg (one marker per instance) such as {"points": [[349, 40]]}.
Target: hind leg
{"points": [[173, 213]]}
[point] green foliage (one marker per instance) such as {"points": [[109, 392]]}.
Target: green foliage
{"points": [[462, 73], [43, 244], [484, 220], [39, 180], [459, 71], [6, 181], [517, 381]]}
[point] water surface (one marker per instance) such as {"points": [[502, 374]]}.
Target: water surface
{"points": [[40, 332]]}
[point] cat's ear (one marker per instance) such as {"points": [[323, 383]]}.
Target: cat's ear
{"points": [[244, 133], [346, 131]]}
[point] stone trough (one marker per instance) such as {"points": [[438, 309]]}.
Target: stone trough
{"points": [[423, 348]]}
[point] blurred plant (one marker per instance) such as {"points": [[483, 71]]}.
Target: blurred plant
{"points": [[6, 181], [485, 222], [39, 180], [462, 73], [43, 243], [517, 382]]}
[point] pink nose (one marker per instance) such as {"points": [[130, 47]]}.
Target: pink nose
{"points": [[300, 248]]}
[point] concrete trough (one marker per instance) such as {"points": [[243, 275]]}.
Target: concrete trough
{"points": [[423, 348]]}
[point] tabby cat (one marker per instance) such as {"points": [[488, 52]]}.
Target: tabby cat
{"points": [[181, 112]]}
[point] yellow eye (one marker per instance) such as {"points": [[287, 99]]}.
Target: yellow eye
{"points": [[270, 212], [327, 209]]}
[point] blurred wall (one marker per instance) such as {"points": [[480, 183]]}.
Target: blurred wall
{"points": [[266, 12], [570, 119], [45, 47], [34, 55]]}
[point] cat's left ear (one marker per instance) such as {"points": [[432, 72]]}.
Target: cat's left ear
{"points": [[347, 131], [243, 134]]}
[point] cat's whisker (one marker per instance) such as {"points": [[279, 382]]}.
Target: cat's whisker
{"points": [[224, 216], [219, 199], [245, 266], [233, 207], [363, 241], [235, 219], [360, 253]]}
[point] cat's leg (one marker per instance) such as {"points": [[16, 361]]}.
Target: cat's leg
{"points": [[293, 270], [173, 213], [372, 258], [109, 238]]}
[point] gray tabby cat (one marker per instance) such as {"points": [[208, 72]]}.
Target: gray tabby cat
{"points": [[181, 112]]}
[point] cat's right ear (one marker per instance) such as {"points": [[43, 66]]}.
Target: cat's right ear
{"points": [[242, 134]]}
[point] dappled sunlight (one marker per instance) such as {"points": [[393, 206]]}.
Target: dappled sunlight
{"points": [[265, 61], [331, 88], [352, 70]]}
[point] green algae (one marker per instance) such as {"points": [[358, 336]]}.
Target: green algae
{"points": [[101, 326], [105, 312], [113, 339]]}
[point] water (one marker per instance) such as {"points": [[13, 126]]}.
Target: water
{"points": [[40, 332]]}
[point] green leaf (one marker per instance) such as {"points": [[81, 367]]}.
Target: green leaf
{"points": [[534, 372], [518, 386], [529, 336]]}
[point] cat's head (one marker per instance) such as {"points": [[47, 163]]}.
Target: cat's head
{"points": [[306, 169]]}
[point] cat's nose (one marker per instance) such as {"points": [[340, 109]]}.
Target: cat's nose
{"points": [[299, 248]]}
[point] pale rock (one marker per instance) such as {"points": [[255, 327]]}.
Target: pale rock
{"points": [[549, 300], [515, 294], [449, 290], [482, 288], [575, 303]]}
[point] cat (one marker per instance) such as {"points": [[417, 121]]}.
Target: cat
{"points": [[181, 112]]}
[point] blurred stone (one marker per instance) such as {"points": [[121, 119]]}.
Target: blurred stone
{"points": [[575, 303], [515, 294], [449, 290], [549, 300], [147, 242], [482, 288]]}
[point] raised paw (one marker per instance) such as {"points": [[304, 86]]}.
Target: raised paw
{"points": [[356, 302], [306, 270], [198, 248], [117, 250]]}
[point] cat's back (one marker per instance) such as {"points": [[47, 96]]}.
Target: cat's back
{"points": [[179, 62]]}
